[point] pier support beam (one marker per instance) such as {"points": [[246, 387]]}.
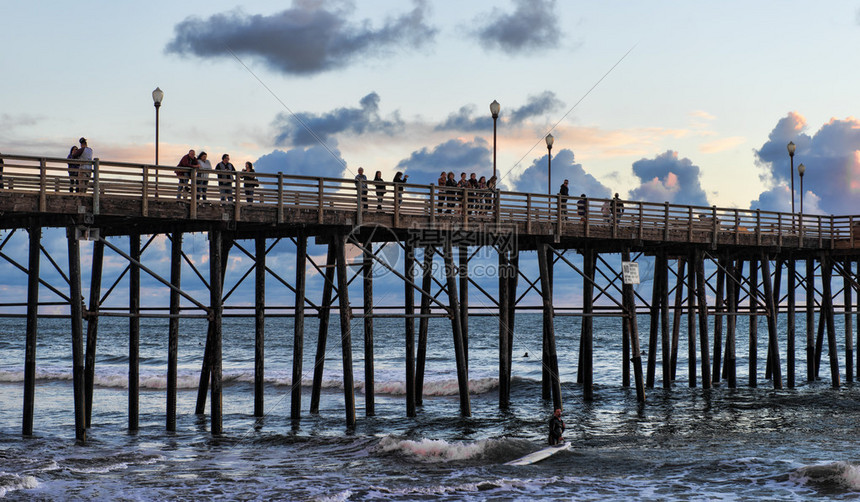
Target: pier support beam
{"points": [[32, 327], [771, 307], [459, 348], [173, 327], [424, 325], [409, 295], [849, 322], [656, 309], [77, 328], [260, 325], [505, 352], [369, 379], [206, 369], [93, 324], [216, 285], [753, 345], [550, 356], [732, 287], [134, 333], [811, 367], [827, 312], [791, 284], [719, 310], [629, 302], [325, 310], [587, 340], [298, 324], [691, 320], [463, 272], [702, 304], [345, 330], [676, 317]]}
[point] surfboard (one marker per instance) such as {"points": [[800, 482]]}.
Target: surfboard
{"points": [[539, 455]]}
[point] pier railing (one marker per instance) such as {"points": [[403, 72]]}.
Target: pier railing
{"points": [[593, 217]]}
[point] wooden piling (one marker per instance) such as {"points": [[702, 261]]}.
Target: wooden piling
{"points": [[345, 331], [76, 310], [298, 326], [719, 310], [463, 272], [691, 321], [367, 296], [216, 285], [656, 298], [549, 327], [753, 340], [771, 308], [173, 327], [791, 284], [423, 325], [810, 320], [35, 231], [665, 340], [409, 295], [92, 318], [701, 301], [454, 313], [504, 361], [325, 310], [208, 357], [827, 312], [849, 326], [732, 288], [134, 333], [676, 317], [260, 324], [633, 329], [586, 357]]}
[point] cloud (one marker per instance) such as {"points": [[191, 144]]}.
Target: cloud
{"points": [[303, 129], [468, 119], [456, 155], [532, 25], [311, 161], [832, 160], [305, 39], [668, 178], [534, 178]]}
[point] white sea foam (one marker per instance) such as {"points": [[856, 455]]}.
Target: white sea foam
{"points": [[10, 482], [435, 450], [834, 475], [338, 497]]}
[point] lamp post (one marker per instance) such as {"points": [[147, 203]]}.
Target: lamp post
{"points": [[800, 170], [549, 141], [157, 96], [494, 109], [791, 148]]}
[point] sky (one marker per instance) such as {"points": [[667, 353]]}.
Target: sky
{"points": [[686, 102]]}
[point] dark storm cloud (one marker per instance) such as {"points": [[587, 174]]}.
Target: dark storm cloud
{"points": [[469, 118], [424, 165], [832, 160], [564, 167], [303, 40], [364, 119], [532, 25], [312, 161], [666, 178]]}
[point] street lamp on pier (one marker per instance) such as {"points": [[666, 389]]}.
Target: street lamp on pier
{"points": [[157, 96], [791, 148], [549, 141], [800, 170], [494, 109]]}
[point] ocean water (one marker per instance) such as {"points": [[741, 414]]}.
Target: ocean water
{"points": [[682, 444]]}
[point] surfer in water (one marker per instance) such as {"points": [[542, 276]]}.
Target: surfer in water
{"points": [[556, 428]]}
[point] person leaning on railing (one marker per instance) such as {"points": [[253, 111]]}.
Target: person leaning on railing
{"points": [[250, 180], [188, 161]]}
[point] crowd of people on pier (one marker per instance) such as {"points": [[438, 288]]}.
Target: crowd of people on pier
{"points": [[479, 192]]}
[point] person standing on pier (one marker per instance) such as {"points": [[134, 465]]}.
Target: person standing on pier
{"points": [[189, 161], [250, 180], [442, 181], [556, 428], [86, 153], [564, 191], [361, 185], [582, 207], [380, 189], [225, 178], [74, 153], [203, 169]]}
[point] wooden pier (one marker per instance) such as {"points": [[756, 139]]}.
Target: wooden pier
{"points": [[739, 256]]}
